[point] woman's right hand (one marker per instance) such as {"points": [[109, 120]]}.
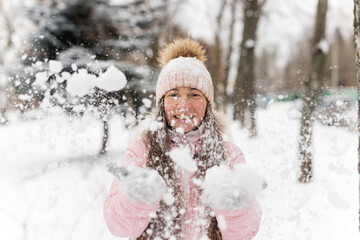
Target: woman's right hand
{"points": [[143, 185]]}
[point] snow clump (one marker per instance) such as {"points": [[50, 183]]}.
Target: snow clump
{"points": [[324, 45], [250, 43], [143, 185], [41, 78], [249, 179], [230, 190], [204, 237], [147, 102], [182, 158], [111, 80], [151, 125], [80, 83], [169, 199], [222, 222], [55, 66]]}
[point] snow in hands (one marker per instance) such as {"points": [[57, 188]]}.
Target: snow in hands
{"points": [[139, 184], [231, 190], [120, 172]]}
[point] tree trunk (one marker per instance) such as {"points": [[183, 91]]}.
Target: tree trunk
{"points": [[105, 137], [244, 92], [357, 46], [9, 29], [152, 58], [313, 86], [305, 141], [216, 59], [229, 52], [335, 54]]}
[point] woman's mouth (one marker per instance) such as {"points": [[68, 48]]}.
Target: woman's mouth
{"points": [[184, 117], [183, 121]]}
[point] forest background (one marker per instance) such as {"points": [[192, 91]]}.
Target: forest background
{"points": [[260, 53]]}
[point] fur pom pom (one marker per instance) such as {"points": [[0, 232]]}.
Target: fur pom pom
{"points": [[181, 48]]}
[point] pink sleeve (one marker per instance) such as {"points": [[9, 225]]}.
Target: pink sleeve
{"points": [[241, 224], [135, 154], [235, 155], [124, 217]]}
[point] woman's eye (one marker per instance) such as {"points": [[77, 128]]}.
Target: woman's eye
{"points": [[195, 95], [173, 95]]}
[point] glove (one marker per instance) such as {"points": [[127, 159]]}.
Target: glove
{"points": [[139, 184], [228, 190]]}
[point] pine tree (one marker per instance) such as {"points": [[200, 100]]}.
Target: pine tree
{"points": [[93, 35]]}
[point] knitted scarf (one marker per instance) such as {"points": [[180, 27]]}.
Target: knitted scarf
{"points": [[169, 221]]}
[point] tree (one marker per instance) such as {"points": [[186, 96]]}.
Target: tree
{"points": [[216, 60], [244, 91], [229, 52], [357, 46], [268, 74], [313, 86], [8, 12], [220, 50], [92, 35]]}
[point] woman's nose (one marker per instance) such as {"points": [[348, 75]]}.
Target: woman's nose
{"points": [[183, 102]]}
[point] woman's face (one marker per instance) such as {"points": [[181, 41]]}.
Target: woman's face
{"points": [[184, 108]]}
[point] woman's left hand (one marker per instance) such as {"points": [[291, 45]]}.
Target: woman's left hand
{"points": [[227, 198], [231, 190]]}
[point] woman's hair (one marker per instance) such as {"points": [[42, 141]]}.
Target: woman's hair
{"points": [[169, 219]]}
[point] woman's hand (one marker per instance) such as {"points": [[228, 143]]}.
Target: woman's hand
{"points": [[231, 190], [228, 199], [143, 185]]}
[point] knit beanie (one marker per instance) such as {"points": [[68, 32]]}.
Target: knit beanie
{"points": [[182, 64]]}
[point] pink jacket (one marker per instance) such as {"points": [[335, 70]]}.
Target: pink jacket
{"points": [[126, 218]]}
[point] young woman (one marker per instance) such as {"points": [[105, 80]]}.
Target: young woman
{"points": [[137, 206]]}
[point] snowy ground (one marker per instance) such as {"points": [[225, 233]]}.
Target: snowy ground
{"points": [[53, 185]]}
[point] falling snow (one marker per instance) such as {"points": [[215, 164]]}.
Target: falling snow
{"points": [[65, 184], [182, 158]]}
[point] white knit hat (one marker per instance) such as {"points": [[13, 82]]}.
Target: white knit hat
{"points": [[184, 72]]}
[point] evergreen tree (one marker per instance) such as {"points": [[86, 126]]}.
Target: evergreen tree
{"points": [[92, 35]]}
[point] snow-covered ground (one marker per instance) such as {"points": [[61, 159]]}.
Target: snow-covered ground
{"points": [[53, 185]]}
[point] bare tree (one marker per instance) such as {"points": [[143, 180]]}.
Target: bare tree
{"points": [[9, 28], [334, 58], [357, 46], [244, 92], [313, 86], [216, 57], [229, 52]]}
